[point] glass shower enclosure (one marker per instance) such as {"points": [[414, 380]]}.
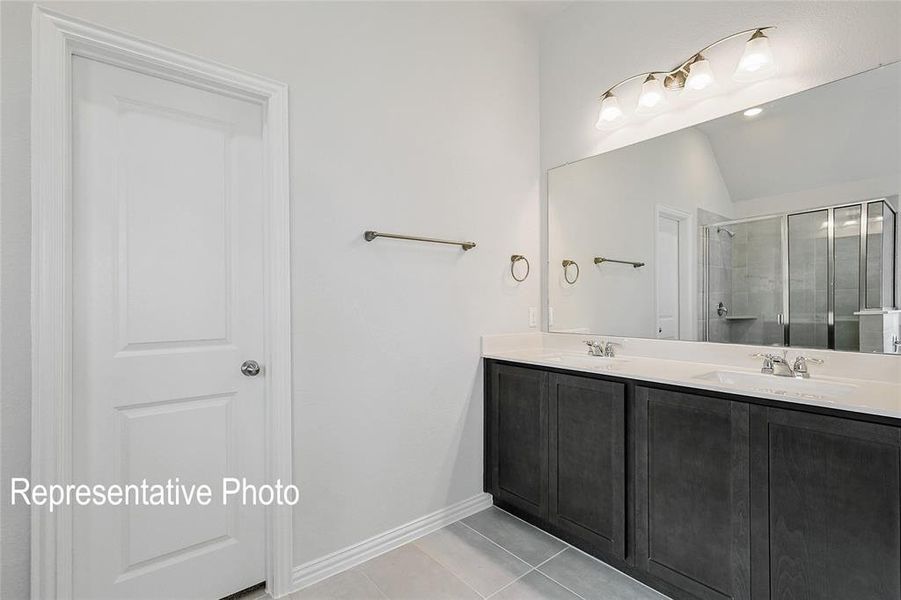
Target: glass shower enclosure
{"points": [[799, 279]]}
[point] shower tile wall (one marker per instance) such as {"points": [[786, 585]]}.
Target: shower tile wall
{"points": [[756, 283], [719, 275], [744, 271]]}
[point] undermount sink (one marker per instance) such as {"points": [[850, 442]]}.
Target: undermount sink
{"points": [[584, 360], [783, 386]]}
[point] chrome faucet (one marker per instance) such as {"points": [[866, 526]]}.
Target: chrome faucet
{"points": [[800, 367], [594, 348], [773, 364]]}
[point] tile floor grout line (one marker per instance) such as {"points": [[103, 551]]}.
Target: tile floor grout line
{"points": [[551, 535], [510, 552], [370, 580], [581, 551], [493, 594], [444, 566], [535, 568], [544, 562], [573, 592], [520, 559], [641, 583], [538, 568]]}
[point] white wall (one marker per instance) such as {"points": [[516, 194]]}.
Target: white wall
{"points": [[592, 45], [408, 117], [15, 288], [605, 206]]}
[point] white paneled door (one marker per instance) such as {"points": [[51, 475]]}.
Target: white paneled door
{"points": [[666, 269], [168, 295]]}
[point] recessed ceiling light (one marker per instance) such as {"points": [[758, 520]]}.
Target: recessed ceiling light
{"points": [[753, 112]]}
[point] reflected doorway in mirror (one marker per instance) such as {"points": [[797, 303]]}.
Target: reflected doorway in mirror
{"points": [[673, 274]]}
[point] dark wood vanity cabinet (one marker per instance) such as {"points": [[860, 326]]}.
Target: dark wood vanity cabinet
{"points": [[518, 440], [701, 495], [556, 452], [826, 507], [587, 473], [692, 492]]}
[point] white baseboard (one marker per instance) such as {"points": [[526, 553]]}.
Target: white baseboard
{"points": [[321, 568]]}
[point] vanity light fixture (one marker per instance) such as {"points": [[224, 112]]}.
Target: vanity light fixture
{"points": [[694, 74], [700, 75], [610, 111], [757, 61], [653, 96]]}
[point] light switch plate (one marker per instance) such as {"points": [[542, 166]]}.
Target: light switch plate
{"points": [[533, 317]]}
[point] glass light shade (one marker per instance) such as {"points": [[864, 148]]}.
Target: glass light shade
{"points": [[700, 75], [610, 112], [652, 97], [757, 61]]}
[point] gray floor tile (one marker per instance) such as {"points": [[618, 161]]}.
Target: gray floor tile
{"points": [[408, 573], [593, 580], [525, 541], [481, 564], [349, 585], [534, 586]]}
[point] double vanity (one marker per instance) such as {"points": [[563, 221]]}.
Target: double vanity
{"points": [[688, 468], [715, 407]]}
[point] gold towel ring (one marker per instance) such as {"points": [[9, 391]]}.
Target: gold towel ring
{"points": [[513, 260], [566, 264]]}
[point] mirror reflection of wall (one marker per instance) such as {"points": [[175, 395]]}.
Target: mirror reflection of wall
{"points": [[776, 229]]}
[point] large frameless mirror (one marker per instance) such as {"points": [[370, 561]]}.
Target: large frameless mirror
{"points": [[773, 227]]}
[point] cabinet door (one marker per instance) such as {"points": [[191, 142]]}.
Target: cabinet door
{"points": [[519, 438], [692, 492], [826, 507], [587, 461]]}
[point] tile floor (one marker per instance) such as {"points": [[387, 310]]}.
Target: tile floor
{"points": [[491, 554]]}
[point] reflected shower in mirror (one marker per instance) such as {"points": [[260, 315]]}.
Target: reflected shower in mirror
{"points": [[771, 227]]}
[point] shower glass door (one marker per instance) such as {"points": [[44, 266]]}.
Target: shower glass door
{"points": [[846, 279], [801, 279], [808, 273]]}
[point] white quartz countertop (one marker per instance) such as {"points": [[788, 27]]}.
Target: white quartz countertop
{"points": [[856, 395]]}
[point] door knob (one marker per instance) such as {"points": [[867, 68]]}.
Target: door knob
{"points": [[250, 368]]}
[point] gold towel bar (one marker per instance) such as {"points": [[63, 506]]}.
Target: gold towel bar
{"points": [[371, 235]]}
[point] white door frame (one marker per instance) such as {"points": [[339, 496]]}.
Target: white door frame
{"points": [[687, 243], [55, 39]]}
